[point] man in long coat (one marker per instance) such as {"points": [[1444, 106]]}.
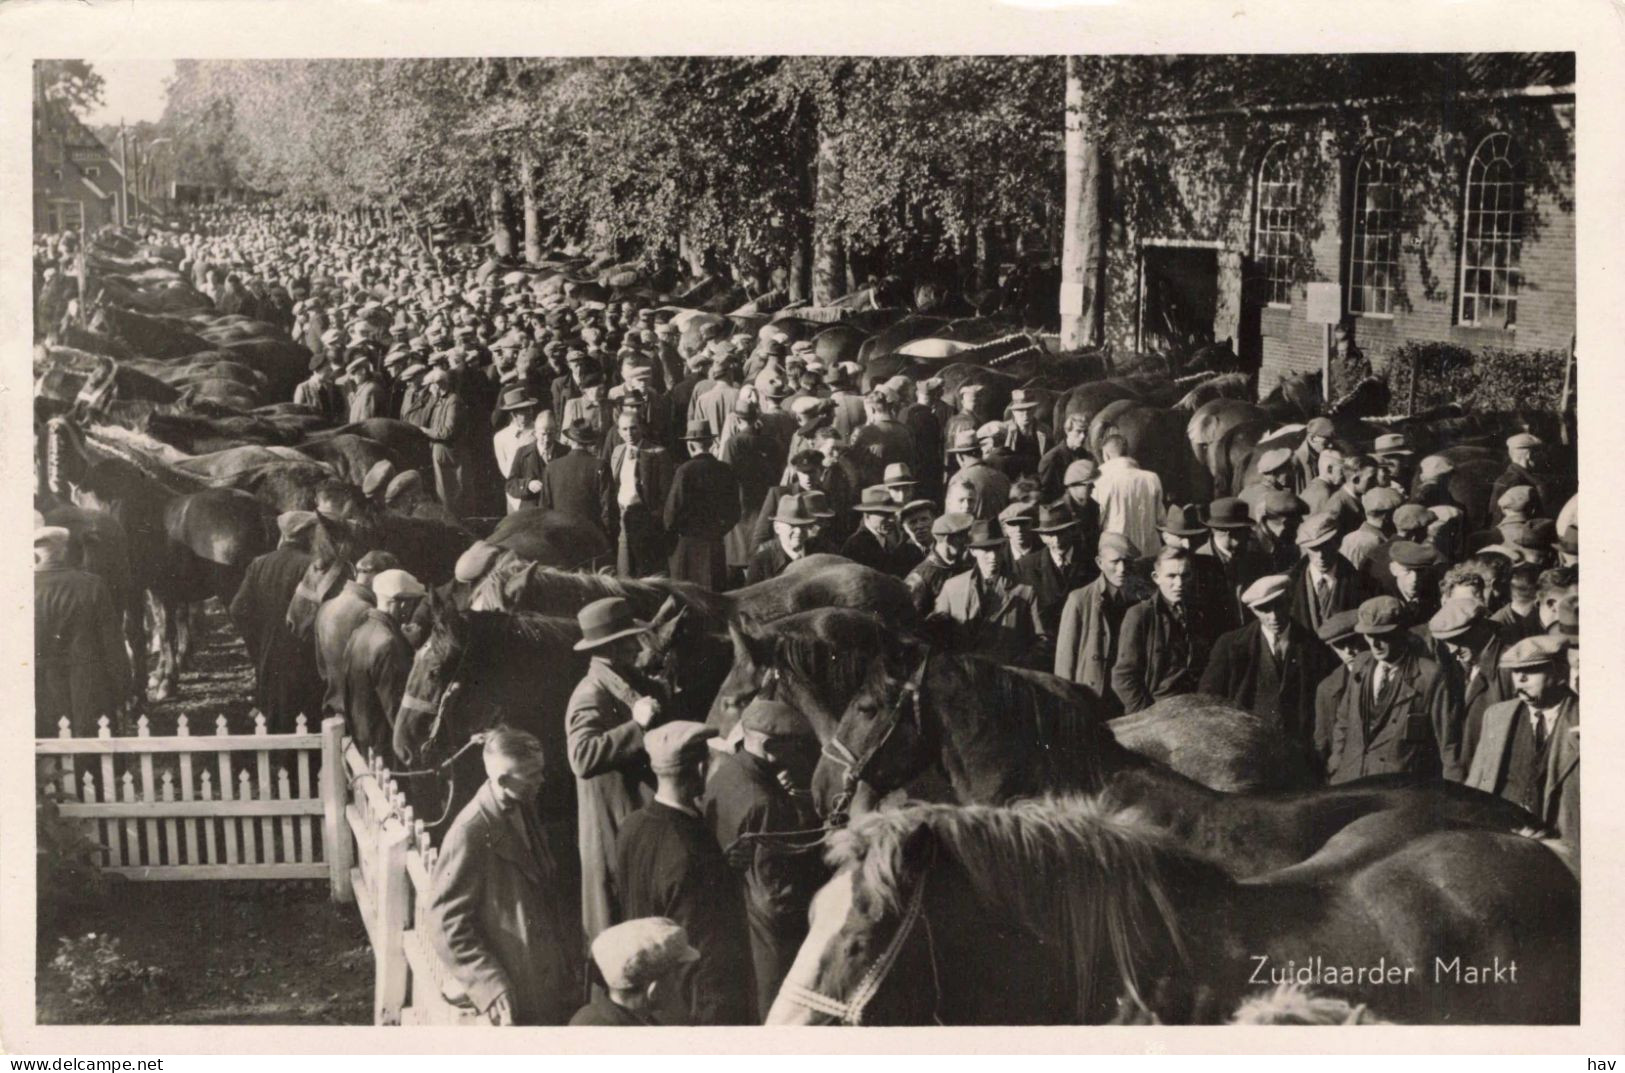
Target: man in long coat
{"points": [[320, 392], [1530, 749], [495, 903], [1272, 666], [702, 506], [670, 865], [1165, 640], [1091, 621], [378, 660], [1055, 570], [446, 423], [604, 724], [574, 482], [636, 480], [370, 397], [985, 610], [286, 684], [1322, 582], [81, 671]]}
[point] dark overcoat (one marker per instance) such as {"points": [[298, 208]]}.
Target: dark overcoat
{"points": [[646, 545], [1236, 666], [1561, 804], [285, 680], [1150, 664], [81, 670], [574, 484], [702, 506], [1415, 729], [335, 621], [377, 661]]}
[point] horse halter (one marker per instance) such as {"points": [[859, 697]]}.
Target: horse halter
{"points": [[850, 1011], [837, 752]]}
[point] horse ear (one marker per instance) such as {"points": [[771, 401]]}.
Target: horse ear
{"points": [[747, 647]]}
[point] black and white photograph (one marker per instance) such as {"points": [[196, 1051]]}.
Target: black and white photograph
{"points": [[833, 538]]}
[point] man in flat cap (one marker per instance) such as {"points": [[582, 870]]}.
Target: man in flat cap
{"points": [[1337, 634], [1374, 531], [81, 669], [1414, 570], [669, 865], [376, 482], [445, 421], [992, 487], [321, 391], [640, 962], [1525, 467], [377, 661], [496, 895], [286, 684], [758, 805], [1322, 581], [950, 546], [1529, 752], [368, 398], [1272, 667], [1275, 473], [924, 418], [1165, 637], [1399, 713], [1317, 439], [1091, 620], [701, 507], [338, 617], [985, 610], [1470, 652], [1275, 534]]}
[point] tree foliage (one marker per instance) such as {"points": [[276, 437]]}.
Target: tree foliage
{"points": [[74, 82]]}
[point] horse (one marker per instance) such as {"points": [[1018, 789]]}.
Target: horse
{"points": [[1000, 739], [1077, 912], [818, 661]]}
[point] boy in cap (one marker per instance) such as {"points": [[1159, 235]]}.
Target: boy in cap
{"points": [[985, 610], [377, 661], [640, 962], [605, 720], [950, 544], [1530, 749], [285, 681], [1272, 667], [757, 803], [1337, 634], [1054, 463], [1322, 581], [1090, 625], [1399, 713], [669, 864], [1166, 638], [495, 900], [1379, 505], [1317, 439]]}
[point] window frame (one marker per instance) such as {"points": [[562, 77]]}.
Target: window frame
{"points": [[1378, 152], [1267, 254], [1471, 264]]}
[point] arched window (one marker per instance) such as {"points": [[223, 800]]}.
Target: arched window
{"points": [[1275, 229], [1492, 235], [1374, 241]]}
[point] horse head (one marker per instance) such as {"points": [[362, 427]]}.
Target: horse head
{"points": [[882, 740], [433, 685], [658, 657]]}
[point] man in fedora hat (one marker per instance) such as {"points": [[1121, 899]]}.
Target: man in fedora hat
{"points": [[81, 669], [924, 418], [1322, 582], [985, 610], [521, 407], [1057, 568], [1025, 441], [321, 391], [756, 804], [609, 711], [1230, 547], [669, 865], [636, 480], [849, 413], [531, 459], [1086, 639], [1394, 457], [872, 544], [1399, 713], [701, 507], [1272, 667], [1165, 637], [574, 483], [1530, 749], [949, 555], [377, 660], [495, 900], [791, 526], [992, 486]]}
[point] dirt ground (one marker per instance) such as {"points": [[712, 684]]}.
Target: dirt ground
{"points": [[242, 952]]}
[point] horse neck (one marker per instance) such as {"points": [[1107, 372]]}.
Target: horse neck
{"points": [[1039, 746]]}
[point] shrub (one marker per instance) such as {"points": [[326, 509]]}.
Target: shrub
{"points": [[1490, 380], [98, 973], [68, 869]]}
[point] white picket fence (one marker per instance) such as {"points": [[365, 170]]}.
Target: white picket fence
{"points": [[201, 806], [390, 882]]}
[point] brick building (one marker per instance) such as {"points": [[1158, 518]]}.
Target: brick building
{"points": [[1442, 210], [77, 179]]}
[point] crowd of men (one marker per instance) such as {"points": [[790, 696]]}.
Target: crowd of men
{"points": [[1341, 597]]}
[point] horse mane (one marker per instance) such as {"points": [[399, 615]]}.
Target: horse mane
{"points": [[580, 587], [1095, 872], [527, 628], [1222, 386], [831, 647], [1290, 1004], [146, 456]]}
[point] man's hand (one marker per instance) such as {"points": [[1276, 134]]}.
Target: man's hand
{"points": [[534, 486], [500, 1012], [645, 711]]}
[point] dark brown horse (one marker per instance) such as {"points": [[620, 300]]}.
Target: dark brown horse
{"points": [[1072, 912], [1001, 739]]}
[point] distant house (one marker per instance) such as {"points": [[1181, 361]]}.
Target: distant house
{"points": [[1425, 211], [77, 179]]}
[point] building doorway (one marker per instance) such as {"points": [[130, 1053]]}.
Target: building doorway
{"points": [[1179, 298]]}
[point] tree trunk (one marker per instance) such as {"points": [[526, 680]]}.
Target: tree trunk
{"points": [[829, 250], [1083, 254], [501, 221], [533, 212], [804, 211]]}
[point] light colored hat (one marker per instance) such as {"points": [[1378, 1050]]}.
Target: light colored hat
{"points": [[1317, 529], [606, 620], [1082, 471], [1519, 498], [991, 430], [1436, 466], [1532, 652], [638, 952], [672, 745], [473, 563], [290, 523], [1274, 459], [806, 404], [1523, 439], [1266, 590], [1022, 399], [1381, 499], [1454, 618], [899, 475], [392, 583]]}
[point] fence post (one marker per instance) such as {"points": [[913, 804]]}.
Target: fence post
{"points": [[337, 844], [392, 917]]}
